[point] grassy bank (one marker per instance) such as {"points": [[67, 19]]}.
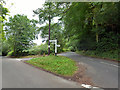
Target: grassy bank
{"points": [[56, 64], [105, 55]]}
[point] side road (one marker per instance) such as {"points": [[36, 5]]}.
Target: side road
{"points": [[103, 73], [16, 74]]}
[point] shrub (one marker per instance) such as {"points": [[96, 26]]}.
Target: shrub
{"points": [[24, 53], [5, 48], [11, 53], [71, 48], [44, 55], [43, 48]]}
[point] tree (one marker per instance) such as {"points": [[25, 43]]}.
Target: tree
{"points": [[78, 26], [48, 12], [85, 26], [3, 12], [94, 25], [56, 33], [20, 32]]}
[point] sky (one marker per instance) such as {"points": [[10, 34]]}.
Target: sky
{"points": [[25, 7]]}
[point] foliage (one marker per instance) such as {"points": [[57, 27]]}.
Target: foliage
{"points": [[56, 64], [3, 12], [106, 55], [91, 26], [94, 25], [20, 32], [38, 50], [50, 10], [5, 48], [46, 14], [11, 53], [56, 33]]}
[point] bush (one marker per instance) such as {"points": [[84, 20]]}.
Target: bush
{"points": [[71, 48], [5, 48], [65, 50], [33, 51], [109, 55], [107, 43], [11, 53], [24, 53], [38, 50]]}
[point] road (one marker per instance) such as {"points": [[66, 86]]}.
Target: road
{"points": [[16, 74], [103, 73], [0, 72]]}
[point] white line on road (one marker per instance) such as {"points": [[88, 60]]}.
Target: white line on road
{"points": [[19, 59], [110, 64], [86, 86], [91, 87], [16, 59]]}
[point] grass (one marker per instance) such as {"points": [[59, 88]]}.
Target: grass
{"points": [[57, 64], [106, 55]]}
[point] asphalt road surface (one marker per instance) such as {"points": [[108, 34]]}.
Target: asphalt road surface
{"points": [[16, 74], [0, 72], [103, 73]]}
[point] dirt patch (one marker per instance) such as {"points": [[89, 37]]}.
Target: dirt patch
{"points": [[80, 75]]}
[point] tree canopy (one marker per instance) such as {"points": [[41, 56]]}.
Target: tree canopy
{"points": [[87, 26], [3, 12], [20, 32], [83, 26]]}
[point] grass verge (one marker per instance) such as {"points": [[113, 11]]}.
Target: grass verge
{"points": [[56, 64], [103, 55]]}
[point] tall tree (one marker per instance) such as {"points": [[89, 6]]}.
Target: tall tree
{"points": [[94, 25], [3, 12], [20, 33], [56, 33], [48, 12]]}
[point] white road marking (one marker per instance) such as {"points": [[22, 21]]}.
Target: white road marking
{"points": [[16, 59], [109, 64], [19, 59], [86, 86], [90, 87]]}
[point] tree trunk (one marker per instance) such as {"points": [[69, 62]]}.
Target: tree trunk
{"points": [[96, 37]]}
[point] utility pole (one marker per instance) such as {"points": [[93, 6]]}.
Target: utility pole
{"points": [[49, 31]]}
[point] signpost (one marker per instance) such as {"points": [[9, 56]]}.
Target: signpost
{"points": [[55, 42]]}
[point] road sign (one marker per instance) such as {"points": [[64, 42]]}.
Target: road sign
{"points": [[58, 45], [55, 42]]}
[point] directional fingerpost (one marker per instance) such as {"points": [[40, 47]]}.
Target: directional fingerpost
{"points": [[55, 42]]}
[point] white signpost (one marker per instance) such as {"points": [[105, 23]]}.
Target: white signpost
{"points": [[55, 42]]}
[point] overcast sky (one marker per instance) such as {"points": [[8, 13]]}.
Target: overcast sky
{"points": [[25, 7]]}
